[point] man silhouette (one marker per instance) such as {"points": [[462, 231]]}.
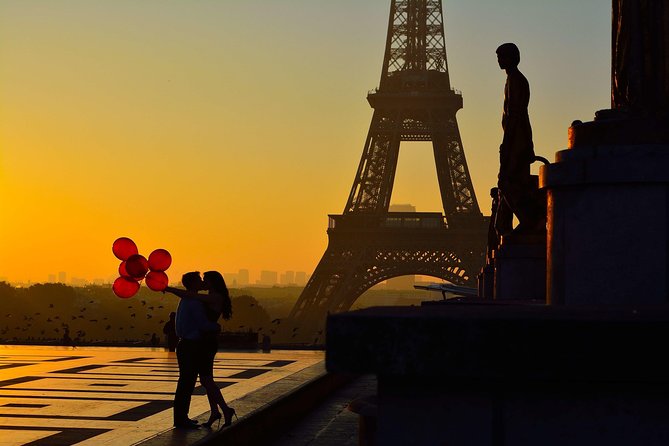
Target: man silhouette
{"points": [[516, 152]]}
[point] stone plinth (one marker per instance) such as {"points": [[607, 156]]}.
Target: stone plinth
{"points": [[509, 374], [608, 224], [520, 268], [486, 281]]}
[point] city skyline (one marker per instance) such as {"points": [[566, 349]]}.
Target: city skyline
{"points": [[241, 277], [227, 132]]}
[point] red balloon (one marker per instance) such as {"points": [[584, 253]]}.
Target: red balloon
{"points": [[125, 288], [122, 271], [123, 248], [137, 266], [157, 280], [160, 260]]}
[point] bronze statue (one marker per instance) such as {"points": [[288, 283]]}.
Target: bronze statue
{"points": [[493, 232], [516, 152], [640, 57]]}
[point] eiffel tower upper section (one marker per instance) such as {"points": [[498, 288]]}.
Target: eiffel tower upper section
{"points": [[414, 102]]}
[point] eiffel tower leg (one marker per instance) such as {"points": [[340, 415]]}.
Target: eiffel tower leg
{"points": [[455, 184], [373, 183], [323, 293]]}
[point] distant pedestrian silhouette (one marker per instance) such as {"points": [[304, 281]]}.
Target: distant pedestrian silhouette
{"points": [[266, 344], [171, 332], [67, 340]]}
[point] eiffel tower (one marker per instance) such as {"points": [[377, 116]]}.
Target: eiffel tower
{"points": [[369, 244]]}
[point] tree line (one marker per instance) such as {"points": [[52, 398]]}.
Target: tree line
{"points": [[51, 313]]}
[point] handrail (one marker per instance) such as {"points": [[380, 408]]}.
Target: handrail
{"points": [[426, 220]]}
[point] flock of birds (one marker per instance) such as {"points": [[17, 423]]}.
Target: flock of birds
{"points": [[51, 322], [89, 322]]}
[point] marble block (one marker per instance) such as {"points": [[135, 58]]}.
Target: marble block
{"points": [[608, 225], [520, 269]]}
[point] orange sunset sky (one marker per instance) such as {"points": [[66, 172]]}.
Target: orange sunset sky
{"points": [[226, 131]]}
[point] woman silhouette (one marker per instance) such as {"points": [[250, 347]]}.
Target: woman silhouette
{"points": [[217, 304]]}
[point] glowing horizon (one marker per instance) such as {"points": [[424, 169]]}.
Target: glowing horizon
{"points": [[226, 132]]}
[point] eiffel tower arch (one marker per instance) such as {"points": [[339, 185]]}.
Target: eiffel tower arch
{"points": [[369, 244]]}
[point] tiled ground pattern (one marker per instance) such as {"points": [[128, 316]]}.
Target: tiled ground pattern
{"points": [[62, 396]]}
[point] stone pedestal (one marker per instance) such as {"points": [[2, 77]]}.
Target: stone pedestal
{"points": [[486, 282], [608, 223], [520, 268]]}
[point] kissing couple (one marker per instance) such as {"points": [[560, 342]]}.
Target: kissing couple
{"points": [[203, 302]]}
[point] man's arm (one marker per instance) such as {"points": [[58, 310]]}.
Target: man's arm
{"points": [[185, 294]]}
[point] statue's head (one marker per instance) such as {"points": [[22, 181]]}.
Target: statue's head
{"points": [[508, 56]]}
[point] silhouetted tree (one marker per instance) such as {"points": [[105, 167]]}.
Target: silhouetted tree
{"points": [[247, 314]]}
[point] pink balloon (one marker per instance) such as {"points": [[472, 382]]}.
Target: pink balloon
{"points": [[137, 266], [123, 248], [157, 280], [125, 288], [160, 260]]}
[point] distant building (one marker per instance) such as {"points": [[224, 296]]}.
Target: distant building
{"points": [[287, 278], [268, 278], [230, 279], [401, 208], [243, 277], [300, 278], [62, 277], [52, 278]]}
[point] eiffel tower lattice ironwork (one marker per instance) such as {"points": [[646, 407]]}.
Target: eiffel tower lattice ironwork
{"points": [[368, 244]]}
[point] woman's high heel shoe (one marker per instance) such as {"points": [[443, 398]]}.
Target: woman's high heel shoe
{"points": [[228, 412], [215, 416]]}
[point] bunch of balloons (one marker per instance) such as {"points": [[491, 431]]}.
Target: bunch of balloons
{"points": [[135, 267]]}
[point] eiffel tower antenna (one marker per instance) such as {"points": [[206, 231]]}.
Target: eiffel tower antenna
{"points": [[368, 244]]}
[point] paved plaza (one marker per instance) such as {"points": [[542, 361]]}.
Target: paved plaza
{"points": [[122, 396]]}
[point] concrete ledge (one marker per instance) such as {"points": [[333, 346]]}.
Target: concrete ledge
{"points": [[607, 165], [517, 375], [266, 422], [507, 343]]}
